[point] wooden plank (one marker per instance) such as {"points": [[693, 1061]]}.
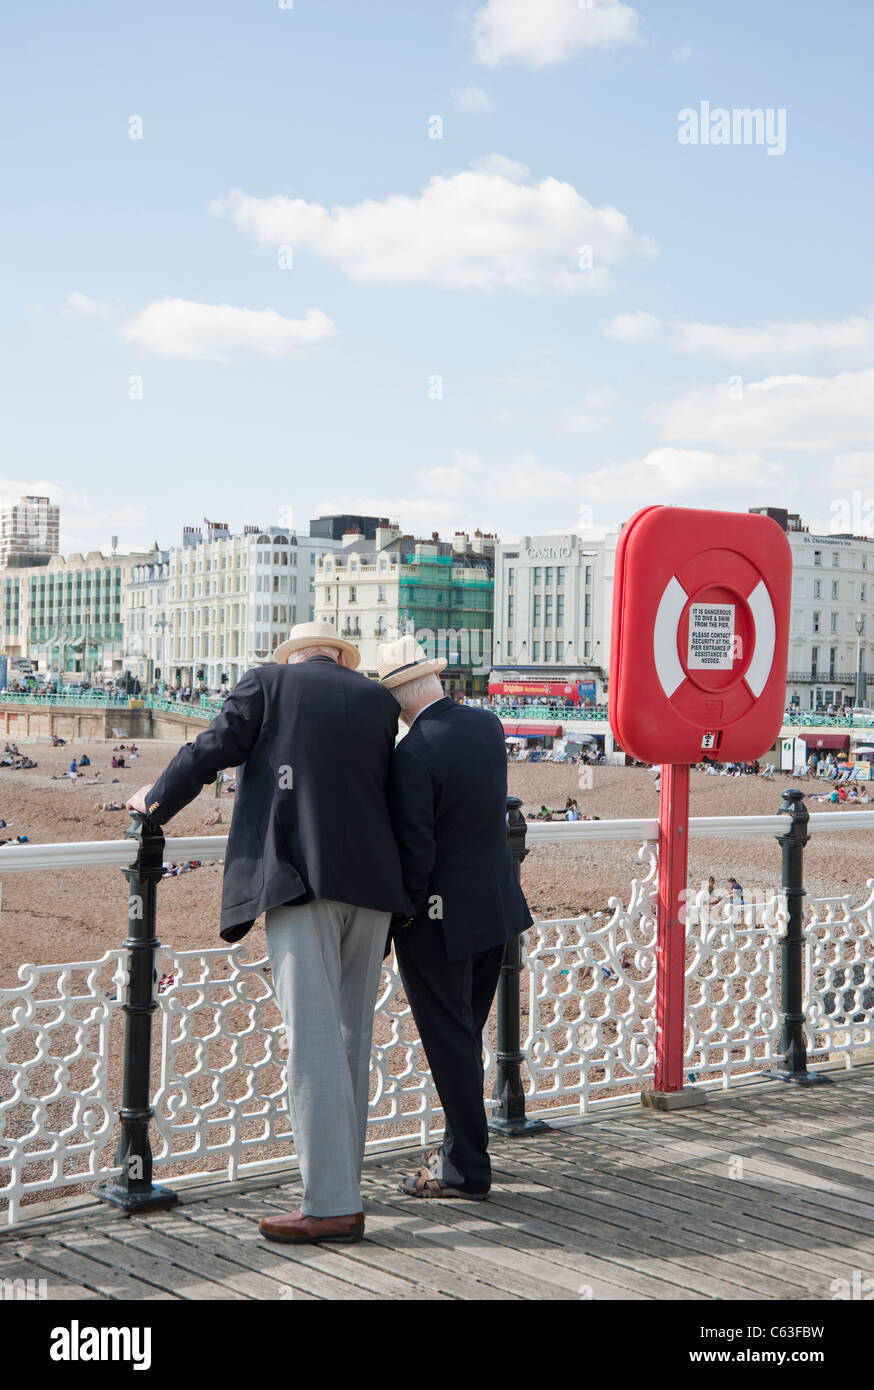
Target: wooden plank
{"points": [[390, 1283], [628, 1231], [146, 1267], [711, 1206], [601, 1240], [449, 1225], [709, 1234], [252, 1254], [54, 1258], [330, 1260]]}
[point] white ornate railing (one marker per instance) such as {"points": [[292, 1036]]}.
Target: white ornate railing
{"points": [[217, 1079]]}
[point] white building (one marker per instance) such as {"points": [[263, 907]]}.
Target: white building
{"points": [[231, 599], [146, 621], [831, 633], [553, 595]]}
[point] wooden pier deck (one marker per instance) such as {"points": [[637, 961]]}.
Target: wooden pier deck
{"points": [[765, 1193]]}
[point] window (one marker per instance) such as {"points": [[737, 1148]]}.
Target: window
{"points": [[547, 651], [817, 557], [559, 651], [511, 577], [509, 649], [863, 589], [834, 622], [538, 603], [587, 649], [536, 650], [548, 612], [836, 559], [832, 661], [864, 562], [380, 594], [559, 610], [538, 576], [817, 588], [559, 576], [511, 605], [587, 621], [835, 583], [353, 593], [548, 575], [816, 620], [588, 575]]}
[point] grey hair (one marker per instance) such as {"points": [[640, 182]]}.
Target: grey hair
{"points": [[418, 691], [304, 653]]}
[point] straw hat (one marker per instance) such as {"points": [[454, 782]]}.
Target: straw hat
{"points": [[316, 635], [404, 660]]}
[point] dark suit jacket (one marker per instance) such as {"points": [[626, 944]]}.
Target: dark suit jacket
{"points": [[312, 742], [448, 797]]}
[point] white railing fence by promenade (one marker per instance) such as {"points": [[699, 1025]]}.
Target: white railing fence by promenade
{"points": [[87, 1095]]}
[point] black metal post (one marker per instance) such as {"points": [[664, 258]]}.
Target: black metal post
{"points": [[509, 1118], [792, 1041], [134, 1190]]}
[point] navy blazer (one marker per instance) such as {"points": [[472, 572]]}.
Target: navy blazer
{"points": [[312, 742], [448, 798]]}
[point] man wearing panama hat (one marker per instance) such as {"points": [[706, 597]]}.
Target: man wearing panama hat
{"points": [[448, 798], [311, 846]]}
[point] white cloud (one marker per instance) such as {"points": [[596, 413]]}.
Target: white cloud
{"points": [[772, 342], [639, 327], [484, 228], [540, 33], [77, 303], [470, 99], [464, 492], [679, 475], [593, 413], [182, 328], [86, 524], [853, 470], [818, 414], [683, 53]]}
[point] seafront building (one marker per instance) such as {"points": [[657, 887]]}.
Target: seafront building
{"points": [[831, 633], [231, 599], [553, 598], [146, 622], [442, 591], [29, 531], [69, 613]]}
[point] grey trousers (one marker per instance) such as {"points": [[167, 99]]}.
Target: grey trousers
{"points": [[326, 959]]}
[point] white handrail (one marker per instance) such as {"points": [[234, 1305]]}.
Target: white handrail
{"points": [[700, 827], [209, 848]]}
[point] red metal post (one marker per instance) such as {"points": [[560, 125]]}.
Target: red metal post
{"points": [[671, 941]]}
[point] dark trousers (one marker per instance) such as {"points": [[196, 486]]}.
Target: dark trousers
{"points": [[450, 1001]]}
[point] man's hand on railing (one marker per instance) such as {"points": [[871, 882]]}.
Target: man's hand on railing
{"points": [[138, 801]]}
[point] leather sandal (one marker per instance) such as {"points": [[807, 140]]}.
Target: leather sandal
{"points": [[424, 1184]]}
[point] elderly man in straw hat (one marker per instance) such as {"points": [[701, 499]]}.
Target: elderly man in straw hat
{"points": [[311, 846], [448, 797]]}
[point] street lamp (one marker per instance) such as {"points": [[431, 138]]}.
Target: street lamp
{"points": [[162, 623], [860, 628]]}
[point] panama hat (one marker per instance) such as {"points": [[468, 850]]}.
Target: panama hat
{"points": [[404, 660], [316, 635]]}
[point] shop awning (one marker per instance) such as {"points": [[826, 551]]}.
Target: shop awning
{"points": [[835, 742], [542, 730]]}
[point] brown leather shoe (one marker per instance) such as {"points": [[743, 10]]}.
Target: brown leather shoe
{"points": [[297, 1229]]}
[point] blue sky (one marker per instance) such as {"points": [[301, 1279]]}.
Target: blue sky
{"points": [[715, 349]]}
